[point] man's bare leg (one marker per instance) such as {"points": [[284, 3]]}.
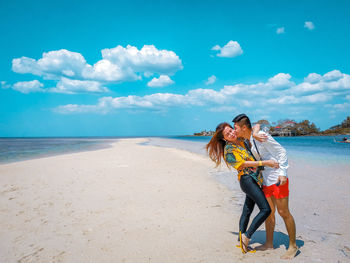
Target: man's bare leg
{"points": [[283, 210], [269, 226]]}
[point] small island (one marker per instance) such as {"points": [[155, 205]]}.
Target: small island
{"points": [[204, 133], [289, 127]]}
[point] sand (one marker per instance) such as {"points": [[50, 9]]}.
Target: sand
{"points": [[141, 203]]}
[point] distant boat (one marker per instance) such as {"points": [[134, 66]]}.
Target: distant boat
{"points": [[345, 140]]}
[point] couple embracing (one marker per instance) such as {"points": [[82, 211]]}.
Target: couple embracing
{"points": [[262, 164]]}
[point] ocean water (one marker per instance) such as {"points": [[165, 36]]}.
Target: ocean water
{"points": [[322, 149], [19, 149], [315, 148]]}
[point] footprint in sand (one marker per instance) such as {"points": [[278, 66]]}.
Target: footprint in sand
{"points": [[32, 257], [346, 251], [12, 189], [59, 257], [87, 231], [19, 213]]}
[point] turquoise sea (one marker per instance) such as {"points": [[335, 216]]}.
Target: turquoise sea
{"points": [[322, 148], [316, 148], [303, 143], [19, 149]]}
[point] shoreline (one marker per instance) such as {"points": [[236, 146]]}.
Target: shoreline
{"points": [[307, 135], [132, 203], [105, 143]]}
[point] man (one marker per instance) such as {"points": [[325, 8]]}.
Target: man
{"points": [[275, 185]]}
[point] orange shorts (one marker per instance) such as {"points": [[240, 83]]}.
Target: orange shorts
{"points": [[277, 192]]}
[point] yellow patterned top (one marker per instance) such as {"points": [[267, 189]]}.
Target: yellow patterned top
{"points": [[235, 155]]}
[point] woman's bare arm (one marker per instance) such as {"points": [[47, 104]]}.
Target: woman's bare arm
{"points": [[270, 163]]}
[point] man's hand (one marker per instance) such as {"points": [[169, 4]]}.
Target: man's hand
{"points": [[260, 137], [281, 180]]}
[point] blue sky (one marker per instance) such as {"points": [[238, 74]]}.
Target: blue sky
{"points": [[134, 68]]}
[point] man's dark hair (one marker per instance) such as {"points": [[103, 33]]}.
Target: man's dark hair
{"points": [[242, 120]]}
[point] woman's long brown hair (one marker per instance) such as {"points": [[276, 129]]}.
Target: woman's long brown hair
{"points": [[216, 146]]}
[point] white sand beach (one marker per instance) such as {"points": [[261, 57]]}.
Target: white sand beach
{"points": [[142, 203]]}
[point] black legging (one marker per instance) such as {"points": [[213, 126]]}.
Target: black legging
{"points": [[254, 195]]}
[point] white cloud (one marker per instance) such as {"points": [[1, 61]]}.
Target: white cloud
{"points": [[291, 99], [162, 81], [223, 109], [28, 86], [4, 85], [280, 30], [231, 49], [340, 107], [246, 103], [117, 65], [281, 80], [307, 87], [333, 81], [203, 96], [147, 59], [211, 80], [52, 64], [73, 108], [333, 75], [216, 47], [105, 70], [196, 97], [276, 91], [313, 78], [26, 65], [309, 25], [232, 89], [127, 102], [107, 104], [73, 86], [287, 99], [320, 97], [166, 99]]}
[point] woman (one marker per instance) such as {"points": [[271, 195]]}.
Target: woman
{"points": [[225, 145]]}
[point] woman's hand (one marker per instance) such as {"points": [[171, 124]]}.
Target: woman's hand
{"points": [[271, 163]]}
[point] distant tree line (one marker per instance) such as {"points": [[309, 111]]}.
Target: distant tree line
{"points": [[288, 127], [342, 128]]}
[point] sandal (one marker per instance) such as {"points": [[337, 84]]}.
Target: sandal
{"points": [[241, 244]]}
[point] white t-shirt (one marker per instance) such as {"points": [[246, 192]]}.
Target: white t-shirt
{"points": [[268, 150]]}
